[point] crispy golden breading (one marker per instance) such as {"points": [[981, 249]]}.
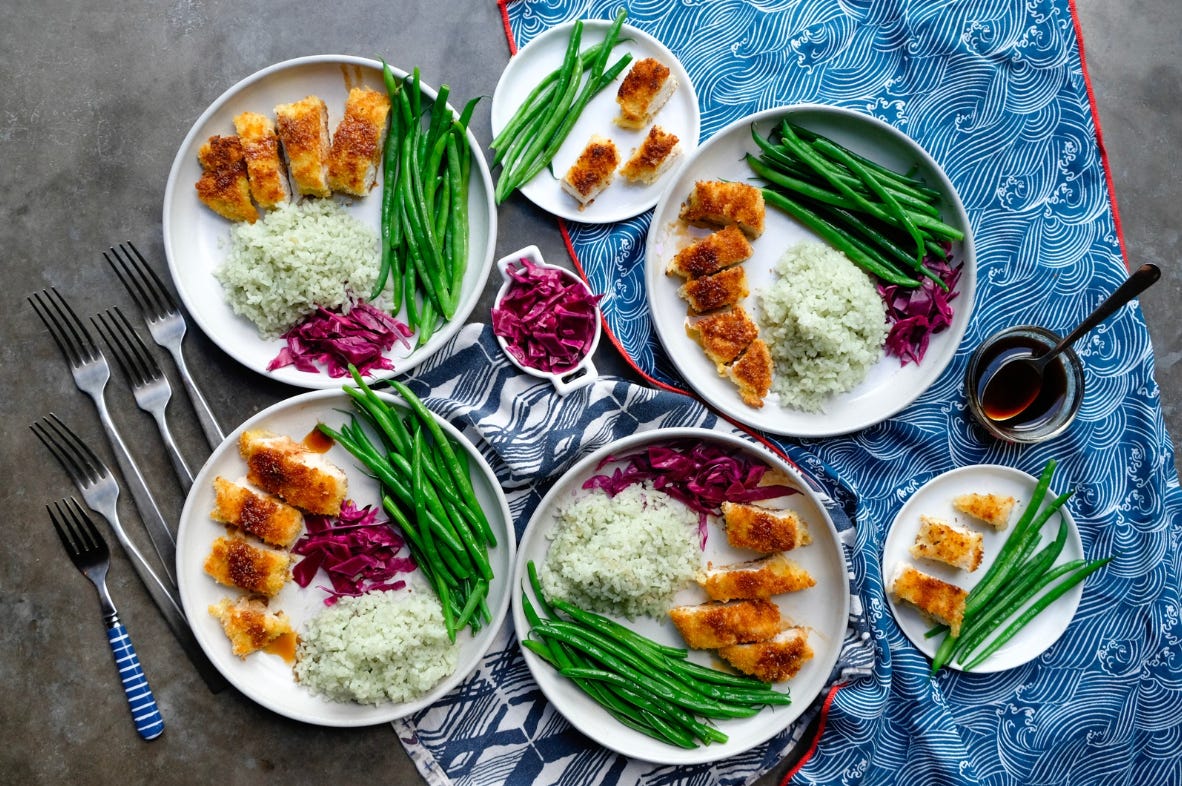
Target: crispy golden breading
{"points": [[717, 251], [303, 129], [938, 599], [593, 171], [719, 203], [289, 470], [752, 372], [943, 542], [654, 155], [356, 149], [249, 625], [262, 515], [759, 578], [236, 563], [763, 529], [775, 660], [645, 89], [710, 293], [993, 509], [264, 165], [724, 335], [712, 625], [224, 186]]}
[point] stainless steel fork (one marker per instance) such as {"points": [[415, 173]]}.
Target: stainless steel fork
{"points": [[148, 383], [89, 553], [101, 493], [165, 323], [91, 372]]}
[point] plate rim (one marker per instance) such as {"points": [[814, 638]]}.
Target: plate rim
{"points": [[321, 380], [703, 753], [367, 714], [571, 212], [654, 276]]}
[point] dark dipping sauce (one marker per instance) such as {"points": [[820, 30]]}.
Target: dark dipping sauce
{"points": [[1002, 398]]}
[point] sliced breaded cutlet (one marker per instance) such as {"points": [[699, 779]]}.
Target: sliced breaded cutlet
{"points": [[723, 335], [720, 203], [717, 251], [775, 660], [752, 372], [592, 171], [264, 162], [303, 129], [249, 625], [710, 293], [652, 157], [936, 598], [235, 563], [992, 509], [224, 186], [266, 517], [758, 578], [645, 89], [299, 476], [712, 625], [356, 148], [943, 542], [763, 529]]}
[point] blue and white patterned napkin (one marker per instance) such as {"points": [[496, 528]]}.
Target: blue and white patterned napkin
{"points": [[496, 727]]}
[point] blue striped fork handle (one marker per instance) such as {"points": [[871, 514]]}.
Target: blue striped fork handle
{"points": [[140, 700]]}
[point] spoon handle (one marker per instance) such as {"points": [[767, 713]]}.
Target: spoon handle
{"points": [[1134, 285]]}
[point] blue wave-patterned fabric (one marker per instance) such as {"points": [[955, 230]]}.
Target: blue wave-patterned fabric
{"points": [[995, 91]]}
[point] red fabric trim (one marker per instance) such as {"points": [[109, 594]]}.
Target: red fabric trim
{"points": [[1083, 64], [788, 776], [504, 6]]}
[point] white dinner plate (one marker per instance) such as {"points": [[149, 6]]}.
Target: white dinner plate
{"points": [[934, 498], [823, 608], [197, 240], [888, 387], [267, 678], [622, 199]]}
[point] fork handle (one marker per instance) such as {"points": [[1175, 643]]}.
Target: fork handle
{"points": [[209, 424], [140, 700]]}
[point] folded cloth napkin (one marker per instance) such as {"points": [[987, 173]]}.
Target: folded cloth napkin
{"points": [[496, 727]]}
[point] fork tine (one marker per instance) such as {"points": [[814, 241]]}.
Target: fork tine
{"points": [[75, 456], [139, 366], [64, 532], [141, 282], [67, 330], [85, 532]]}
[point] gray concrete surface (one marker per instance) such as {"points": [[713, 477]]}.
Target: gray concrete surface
{"points": [[94, 101]]}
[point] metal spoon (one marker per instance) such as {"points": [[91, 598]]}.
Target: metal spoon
{"points": [[1025, 374]]}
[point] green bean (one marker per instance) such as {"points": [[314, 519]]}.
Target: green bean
{"points": [[909, 183]]}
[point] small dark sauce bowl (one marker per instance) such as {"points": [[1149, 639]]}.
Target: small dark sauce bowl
{"points": [[1063, 385]]}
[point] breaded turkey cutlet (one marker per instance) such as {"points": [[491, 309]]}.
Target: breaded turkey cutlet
{"points": [[712, 625], [593, 171], [356, 148], [303, 129], [717, 251], [645, 89], [723, 335], [775, 660], [653, 157], [262, 515], [763, 529], [992, 509], [943, 542], [759, 578], [224, 186], [720, 203], [264, 162], [249, 625], [235, 563], [752, 372], [719, 290], [936, 598], [299, 476]]}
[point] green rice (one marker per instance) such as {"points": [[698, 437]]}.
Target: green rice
{"points": [[626, 555], [824, 324], [377, 647], [298, 257]]}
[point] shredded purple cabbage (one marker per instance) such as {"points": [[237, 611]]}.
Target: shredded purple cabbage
{"points": [[334, 340], [358, 553], [917, 314]]}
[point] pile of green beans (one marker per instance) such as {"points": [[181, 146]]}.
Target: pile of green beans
{"points": [[886, 222], [427, 491], [530, 140], [1018, 575], [647, 686], [426, 170]]}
